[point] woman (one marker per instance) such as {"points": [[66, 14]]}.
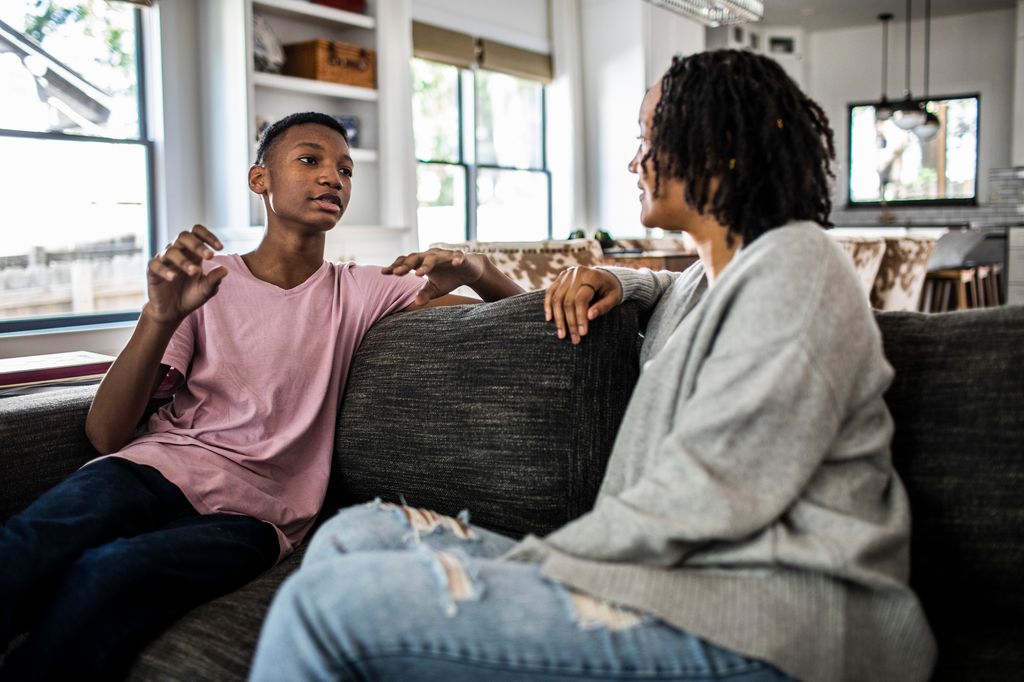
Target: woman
{"points": [[750, 525]]}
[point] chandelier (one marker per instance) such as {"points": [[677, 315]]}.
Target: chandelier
{"points": [[910, 113], [715, 12]]}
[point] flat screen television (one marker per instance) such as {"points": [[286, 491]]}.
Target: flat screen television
{"points": [[891, 165]]}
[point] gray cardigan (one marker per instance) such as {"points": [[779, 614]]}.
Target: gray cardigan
{"points": [[750, 497]]}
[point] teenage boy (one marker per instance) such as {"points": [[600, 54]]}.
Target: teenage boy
{"points": [[228, 478]]}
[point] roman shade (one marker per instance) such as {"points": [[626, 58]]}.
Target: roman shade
{"points": [[463, 50]]}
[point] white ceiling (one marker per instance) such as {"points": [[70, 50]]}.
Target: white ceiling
{"points": [[816, 15]]}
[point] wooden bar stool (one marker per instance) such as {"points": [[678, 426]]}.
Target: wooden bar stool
{"points": [[951, 289], [997, 282], [934, 292], [990, 284]]}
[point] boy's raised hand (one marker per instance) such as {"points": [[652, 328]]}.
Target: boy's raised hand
{"points": [[446, 270], [175, 278], [580, 294]]}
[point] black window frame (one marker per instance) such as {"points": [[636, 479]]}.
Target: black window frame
{"points": [[905, 203], [470, 169], [70, 322]]}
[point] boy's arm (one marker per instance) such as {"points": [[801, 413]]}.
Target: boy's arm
{"points": [[176, 286], [447, 270], [127, 386]]}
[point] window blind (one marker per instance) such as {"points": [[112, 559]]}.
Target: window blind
{"points": [[463, 50]]}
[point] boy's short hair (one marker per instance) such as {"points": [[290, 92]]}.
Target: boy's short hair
{"points": [[275, 130]]}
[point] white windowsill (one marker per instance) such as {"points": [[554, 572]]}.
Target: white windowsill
{"points": [[108, 338]]}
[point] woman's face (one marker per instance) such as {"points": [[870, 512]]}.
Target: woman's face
{"points": [[669, 209]]}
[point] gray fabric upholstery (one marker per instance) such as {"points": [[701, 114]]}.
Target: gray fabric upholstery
{"points": [[483, 408], [957, 402], [42, 440], [217, 640]]}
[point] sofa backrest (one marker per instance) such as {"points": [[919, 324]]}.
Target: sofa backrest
{"points": [[484, 408], [958, 405]]}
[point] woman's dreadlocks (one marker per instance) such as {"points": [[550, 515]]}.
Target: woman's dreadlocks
{"points": [[737, 116]]}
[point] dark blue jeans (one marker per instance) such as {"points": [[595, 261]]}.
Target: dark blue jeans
{"points": [[105, 560]]}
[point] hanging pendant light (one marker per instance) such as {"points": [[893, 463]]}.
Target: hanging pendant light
{"points": [[930, 127], [883, 110], [908, 114]]}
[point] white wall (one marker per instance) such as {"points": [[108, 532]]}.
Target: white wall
{"points": [[1018, 90], [627, 45], [614, 82], [566, 148], [666, 35], [178, 136], [970, 53]]}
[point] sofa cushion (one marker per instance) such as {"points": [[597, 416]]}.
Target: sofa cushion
{"points": [[956, 400], [980, 652], [484, 408], [215, 641]]}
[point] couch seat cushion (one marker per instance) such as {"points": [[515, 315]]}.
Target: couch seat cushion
{"points": [[217, 640]]}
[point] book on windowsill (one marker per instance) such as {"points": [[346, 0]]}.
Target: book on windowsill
{"points": [[72, 368]]}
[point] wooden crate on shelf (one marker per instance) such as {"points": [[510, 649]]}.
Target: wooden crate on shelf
{"points": [[333, 61]]}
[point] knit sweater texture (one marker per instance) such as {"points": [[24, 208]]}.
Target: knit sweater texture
{"points": [[750, 497]]}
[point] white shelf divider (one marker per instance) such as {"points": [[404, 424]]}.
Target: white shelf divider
{"points": [[309, 86], [364, 155], [307, 10]]}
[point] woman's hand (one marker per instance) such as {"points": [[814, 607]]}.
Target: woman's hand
{"points": [[175, 278], [446, 270], [580, 294]]}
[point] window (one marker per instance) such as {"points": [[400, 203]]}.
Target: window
{"points": [[896, 166], [75, 182], [481, 166]]}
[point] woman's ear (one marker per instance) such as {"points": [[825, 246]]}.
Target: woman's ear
{"points": [[258, 179]]}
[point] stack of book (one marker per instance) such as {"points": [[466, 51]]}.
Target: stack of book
{"points": [[34, 373]]}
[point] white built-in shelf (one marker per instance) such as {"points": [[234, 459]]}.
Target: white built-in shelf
{"points": [[309, 86], [342, 226], [371, 228], [364, 155], [303, 9]]}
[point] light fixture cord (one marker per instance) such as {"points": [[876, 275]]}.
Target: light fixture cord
{"points": [[907, 89], [885, 57], [927, 42]]}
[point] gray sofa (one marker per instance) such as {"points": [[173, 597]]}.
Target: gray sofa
{"points": [[483, 408]]}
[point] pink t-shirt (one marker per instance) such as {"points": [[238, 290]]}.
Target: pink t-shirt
{"points": [[252, 430]]}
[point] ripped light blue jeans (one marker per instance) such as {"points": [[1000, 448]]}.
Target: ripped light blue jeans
{"points": [[397, 593]]}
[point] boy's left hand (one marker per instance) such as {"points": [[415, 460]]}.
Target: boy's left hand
{"points": [[446, 270]]}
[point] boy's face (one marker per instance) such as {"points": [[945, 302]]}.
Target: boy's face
{"points": [[306, 179]]}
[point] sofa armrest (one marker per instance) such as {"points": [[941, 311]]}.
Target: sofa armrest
{"points": [[42, 440]]}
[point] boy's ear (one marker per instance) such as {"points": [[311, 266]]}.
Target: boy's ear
{"points": [[258, 179]]}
